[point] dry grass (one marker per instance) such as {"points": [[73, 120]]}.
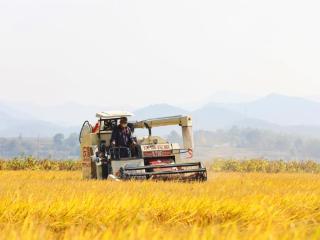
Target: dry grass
{"points": [[51, 205]]}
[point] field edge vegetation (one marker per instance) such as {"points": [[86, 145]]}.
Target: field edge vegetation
{"points": [[216, 165]]}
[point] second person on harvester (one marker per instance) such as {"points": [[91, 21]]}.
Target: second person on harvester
{"points": [[122, 140]]}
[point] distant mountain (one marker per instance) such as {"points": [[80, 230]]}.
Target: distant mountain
{"points": [[256, 123], [217, 97], [68, 114], [211, 117], [34, 128], [158, 110], [14, 123], [231, 97], [279, 109], [274, 112]]}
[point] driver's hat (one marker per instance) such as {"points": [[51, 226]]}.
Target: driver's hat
{"points": [[123, 120]]}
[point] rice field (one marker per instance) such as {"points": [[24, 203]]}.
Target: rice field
{"points": [[59, 205]]}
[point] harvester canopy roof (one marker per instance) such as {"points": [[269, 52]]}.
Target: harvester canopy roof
{"points": [[113, 114]]}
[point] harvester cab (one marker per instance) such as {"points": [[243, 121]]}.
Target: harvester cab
{"points": [[152, 157]]}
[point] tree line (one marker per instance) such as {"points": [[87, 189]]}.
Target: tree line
{"points": [[257, 140], [57, 147], [67, 147]]}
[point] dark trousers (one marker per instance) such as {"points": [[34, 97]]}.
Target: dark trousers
{"points": [[122, 152]]}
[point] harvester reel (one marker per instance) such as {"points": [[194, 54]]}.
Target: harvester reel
{"points": [[179, 172]]}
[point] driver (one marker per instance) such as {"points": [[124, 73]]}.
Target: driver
{"points": [[122, 138]]}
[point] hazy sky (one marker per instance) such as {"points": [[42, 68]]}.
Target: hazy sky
{"points": [[141, 52]]}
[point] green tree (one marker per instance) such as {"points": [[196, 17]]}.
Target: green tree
{"points": [[58, 139], [72, 140]]}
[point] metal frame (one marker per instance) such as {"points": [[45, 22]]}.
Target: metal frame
{"points": [[197, 164], [200, 171]]}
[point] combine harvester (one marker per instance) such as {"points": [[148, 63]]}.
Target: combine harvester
{"points": [[151, 158]]}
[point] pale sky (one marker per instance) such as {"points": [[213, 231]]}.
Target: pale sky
{"points": [[141, 52]]}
